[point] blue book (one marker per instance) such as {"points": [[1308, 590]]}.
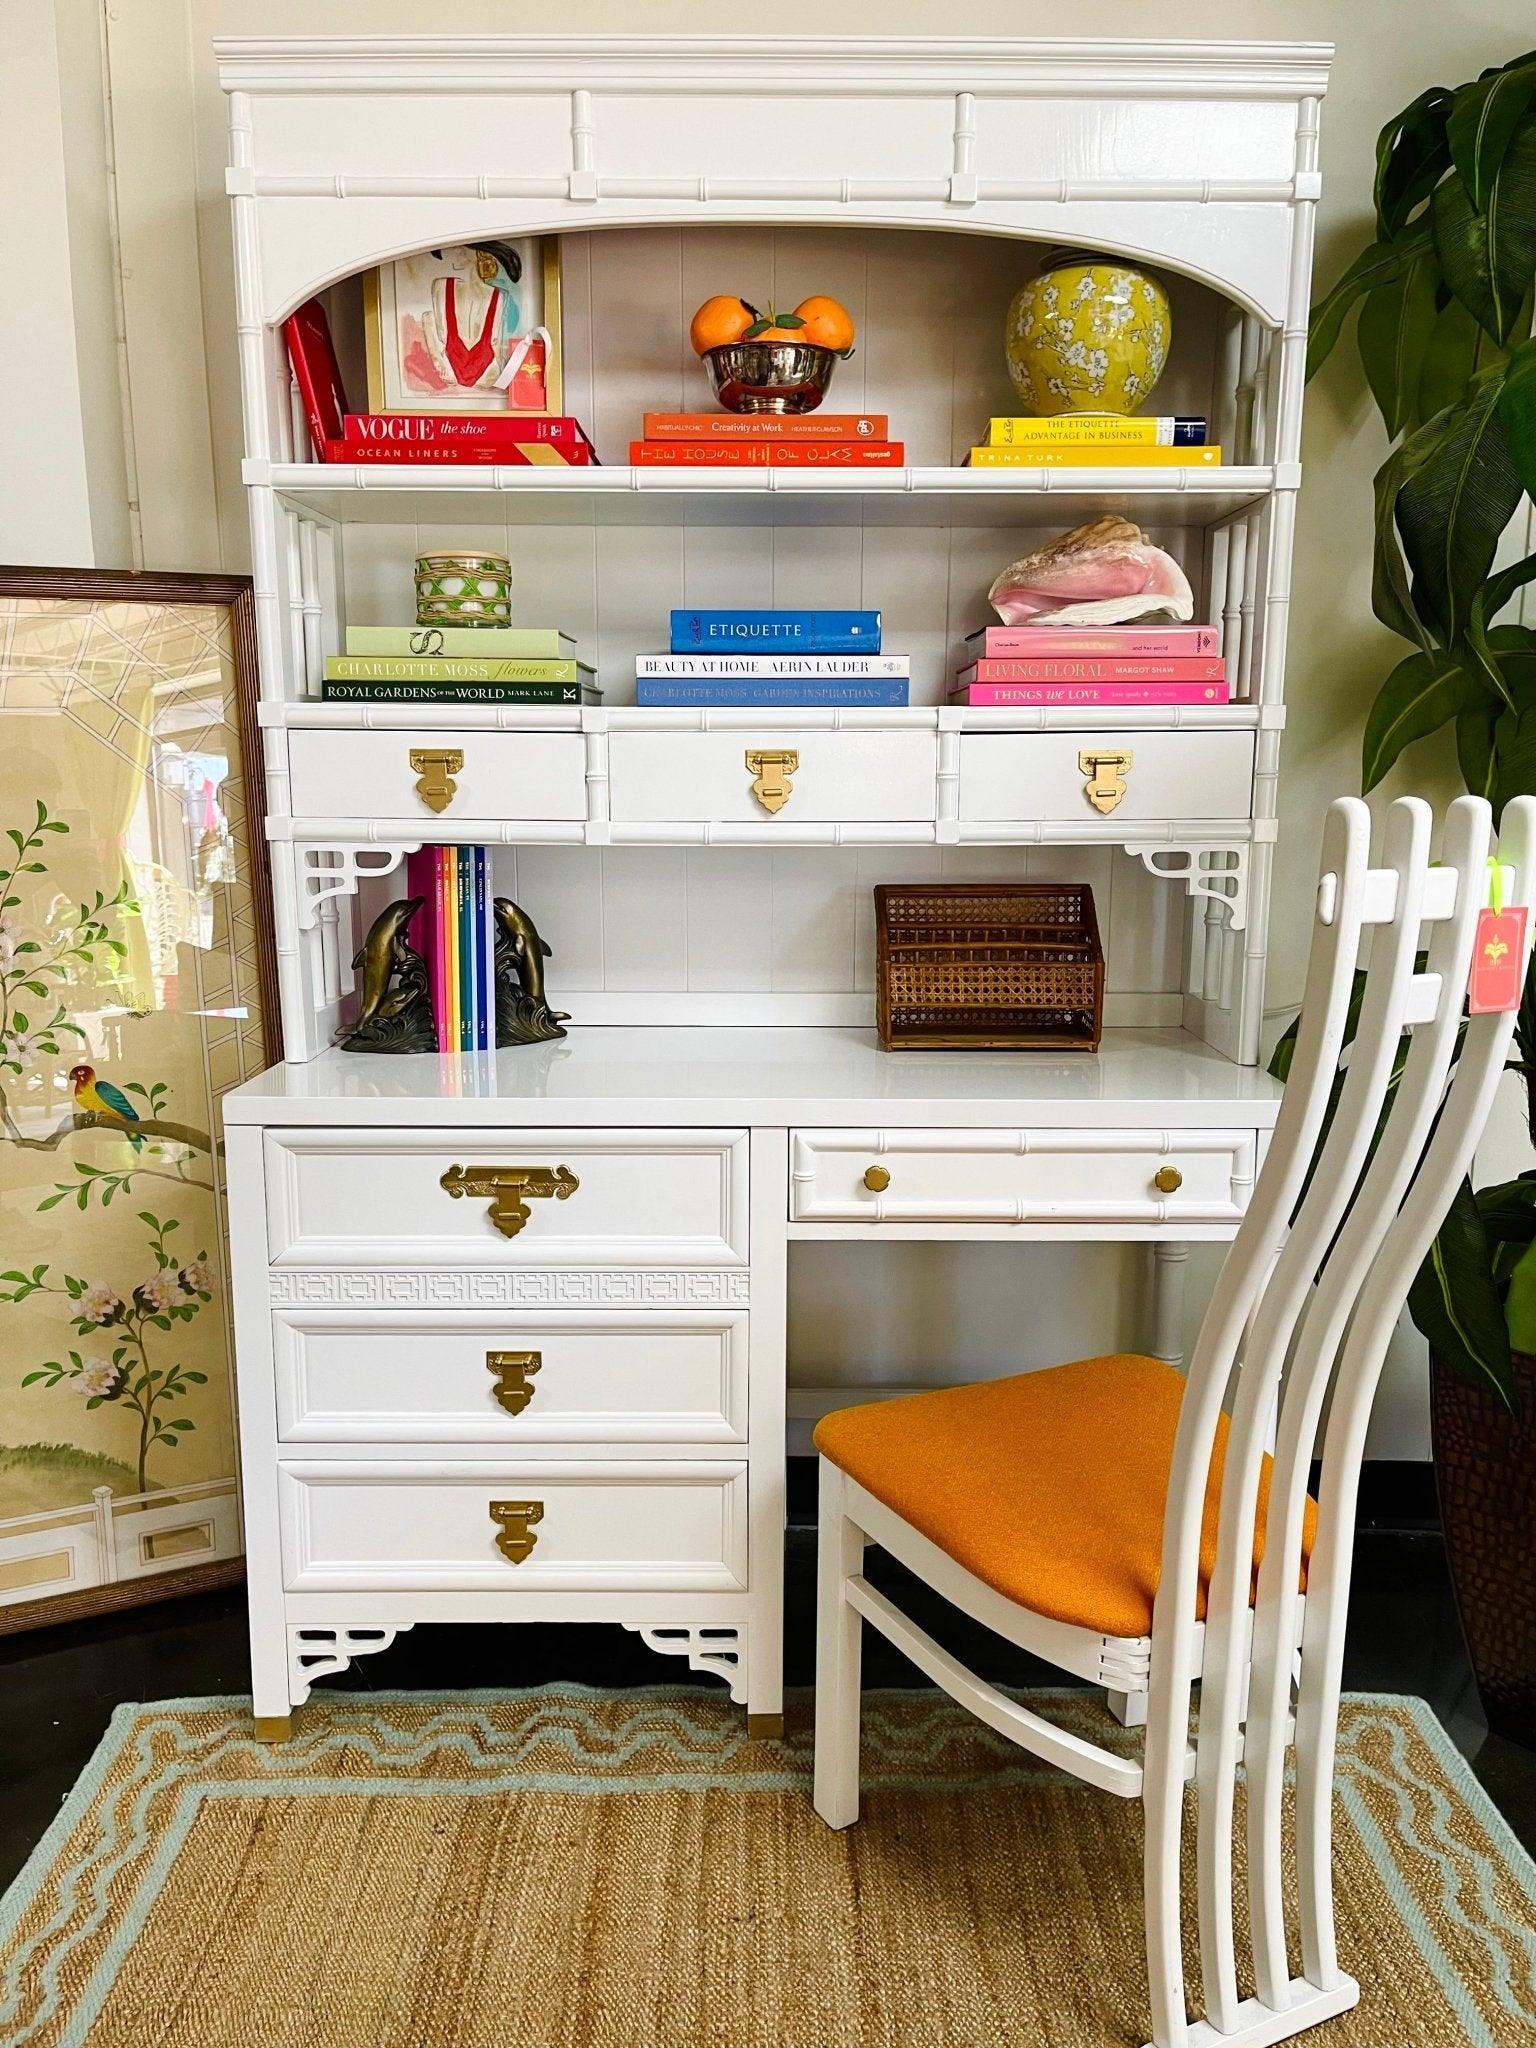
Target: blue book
{"points": [[485, 950], [743, 632], [759, 690]]}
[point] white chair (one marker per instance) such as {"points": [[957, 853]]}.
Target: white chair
{"points": [[1073, 1511]]}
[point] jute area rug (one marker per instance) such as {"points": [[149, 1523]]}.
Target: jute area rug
{"points": [[564, 1868]]}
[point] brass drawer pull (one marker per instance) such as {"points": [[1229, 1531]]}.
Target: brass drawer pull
{"points": [[877, 1179], [1167, 1180], [510, 1189], [513, 1370], [1106, 775], [434, 769], [515, 1521], [770, 774]]}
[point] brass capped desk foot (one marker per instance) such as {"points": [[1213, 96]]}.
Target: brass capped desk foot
{"points": [[272, 1727], [765, 1727]]}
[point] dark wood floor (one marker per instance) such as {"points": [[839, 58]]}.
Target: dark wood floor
{"points": [[59, 1686]]}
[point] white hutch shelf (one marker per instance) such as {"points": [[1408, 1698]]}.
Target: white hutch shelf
{"points": [[721, 1090]]}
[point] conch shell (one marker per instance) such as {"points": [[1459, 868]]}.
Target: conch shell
{"points": [[1101, 574]]}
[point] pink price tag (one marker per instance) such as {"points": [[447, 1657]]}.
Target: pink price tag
{"points": [[1498, 961]]}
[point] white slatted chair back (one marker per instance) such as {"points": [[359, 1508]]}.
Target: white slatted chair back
{"points": [[1344, 1211]]}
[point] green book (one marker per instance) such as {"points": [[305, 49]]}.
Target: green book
{"points": [[459, 693], [528, 643], [447, 668]]}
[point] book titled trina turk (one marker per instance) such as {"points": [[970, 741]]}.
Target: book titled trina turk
{"points": [[1100, 668], [776, 667], [769, 632], [452, 668], [1128, 643], [789, 691], [766, 426], [769, 454], [1105, 430], [1124, 695], [1079, 454]]}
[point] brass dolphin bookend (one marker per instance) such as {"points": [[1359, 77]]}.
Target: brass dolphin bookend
{"points": [[394, 1011], [523, 1015]]}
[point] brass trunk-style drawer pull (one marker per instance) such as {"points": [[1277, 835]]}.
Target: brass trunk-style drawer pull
{"points": [[1167, 1180], [513, 1370], [1106, 775], [770, 774], [515, 1521], [510, 1188], [434, 769]]}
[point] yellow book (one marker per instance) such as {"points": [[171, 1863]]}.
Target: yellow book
{"points": [[1106, 429], [1083, 455]]}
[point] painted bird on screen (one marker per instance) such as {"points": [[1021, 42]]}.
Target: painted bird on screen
{"points": [[106, 1099]]}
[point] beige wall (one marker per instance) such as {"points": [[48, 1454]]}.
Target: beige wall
{"points": [[166, 131]]}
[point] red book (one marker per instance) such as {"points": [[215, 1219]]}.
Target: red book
{"points": [[1123, 694], [466, 454], [1130, 643], [772, 454], [459, 430], [307, 334], [1099, 668], [766, 426]]}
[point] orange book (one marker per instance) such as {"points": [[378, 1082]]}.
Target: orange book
{"points": [[773, 454], [766, 426]]}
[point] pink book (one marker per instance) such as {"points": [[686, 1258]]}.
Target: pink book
{"points": [[1131, 643], [421, 880], [444, 1010], [1096, 669], [1124, 694]]}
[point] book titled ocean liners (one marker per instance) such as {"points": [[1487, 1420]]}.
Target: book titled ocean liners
{"points": [[771, 632], [849, 692]]}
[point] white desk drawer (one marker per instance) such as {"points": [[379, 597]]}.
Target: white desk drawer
{"points": [[655, 777], [611, 1375], [606, 1198], [378, 1527], [1065, 1176], [498, 774], [1041, 775]]}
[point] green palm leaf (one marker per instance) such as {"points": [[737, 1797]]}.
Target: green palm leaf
{"points": [[1424, 692], [1455, 502], [1488, 255], [1482, 123]]}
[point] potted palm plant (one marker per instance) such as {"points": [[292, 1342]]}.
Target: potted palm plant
{"points": [[1444, 299]]}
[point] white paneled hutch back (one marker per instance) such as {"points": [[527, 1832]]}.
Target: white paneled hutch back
{"points": [[586, 1419]]}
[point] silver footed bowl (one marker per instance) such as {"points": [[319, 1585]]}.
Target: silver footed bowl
{"points": [[770, 376]]}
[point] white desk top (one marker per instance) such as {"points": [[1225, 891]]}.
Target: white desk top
{"points": [[711, 1076]]}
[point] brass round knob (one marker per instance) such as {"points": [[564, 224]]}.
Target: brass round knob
{"points": [[876, 1179], [1167, 1180]]}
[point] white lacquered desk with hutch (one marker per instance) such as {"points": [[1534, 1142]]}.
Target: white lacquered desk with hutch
{"points": [[511, 1330]]}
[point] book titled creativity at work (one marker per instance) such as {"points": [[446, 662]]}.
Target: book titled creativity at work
{"points": [[1103, 430], [459, 693], [814, 667], [505, 643], [782, 632], [848, 691], [452, 668]]}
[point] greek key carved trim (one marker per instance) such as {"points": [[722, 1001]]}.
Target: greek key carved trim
{"points": [[618, 1288]]}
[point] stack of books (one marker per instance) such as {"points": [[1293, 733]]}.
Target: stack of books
{"points": [[809, 440], [1123, 665], [511, 439], [455, 933], [788, 658], [1097, 440], [458, 665]]}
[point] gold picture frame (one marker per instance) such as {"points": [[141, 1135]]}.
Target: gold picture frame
{"points": [[416, 348]]}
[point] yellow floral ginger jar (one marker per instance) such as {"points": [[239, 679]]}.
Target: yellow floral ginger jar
{"points": [[1087, 335]]}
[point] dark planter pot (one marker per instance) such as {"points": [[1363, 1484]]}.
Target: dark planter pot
{"points": [[1485, 1469]]}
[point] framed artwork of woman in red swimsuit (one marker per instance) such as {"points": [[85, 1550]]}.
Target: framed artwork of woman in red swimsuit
{"points": [[472, 328]]}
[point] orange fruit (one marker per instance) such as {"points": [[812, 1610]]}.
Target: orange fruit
{"points": [[720, 321], [777, 332], [826, 323]]}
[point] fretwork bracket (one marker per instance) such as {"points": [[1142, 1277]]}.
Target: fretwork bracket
{"points": [[716, 1650], [1218, 872], [322, 1652], [327, 871]]}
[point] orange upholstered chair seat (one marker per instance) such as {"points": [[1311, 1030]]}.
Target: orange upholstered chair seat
{"points": [[1048, 1486]]}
